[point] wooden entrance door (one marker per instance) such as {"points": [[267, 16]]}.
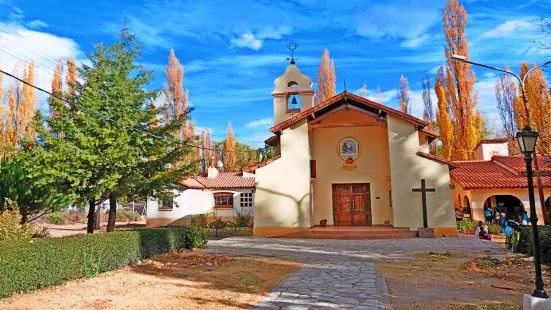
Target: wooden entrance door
{"points": [[351, 205]]}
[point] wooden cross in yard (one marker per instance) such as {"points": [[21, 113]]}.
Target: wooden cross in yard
{"points": [[424, 191]]}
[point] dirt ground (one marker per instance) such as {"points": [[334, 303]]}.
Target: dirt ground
{"points": [[175, 281], [458, 281]]}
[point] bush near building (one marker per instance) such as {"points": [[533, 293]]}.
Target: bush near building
{"points": [[28, 265], [525, 243]]}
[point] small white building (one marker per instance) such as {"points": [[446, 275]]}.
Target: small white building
{"points": [[220, 194]]}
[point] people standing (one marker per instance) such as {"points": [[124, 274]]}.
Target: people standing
{"points": [[488, 214]]}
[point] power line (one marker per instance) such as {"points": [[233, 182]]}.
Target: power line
{"points": [[97, 114], [11, 35], [50, 72]]}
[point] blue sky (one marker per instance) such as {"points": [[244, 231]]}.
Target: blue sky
{"points": [[233, 50]]}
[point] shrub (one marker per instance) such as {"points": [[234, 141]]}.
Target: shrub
{"points": [[466, 224], [42, 262], [129, 215], [494, 229], [196, 237], [10, 227], [243, 219], [40, 232], [56, 218], [525, 243], [200, 220]]}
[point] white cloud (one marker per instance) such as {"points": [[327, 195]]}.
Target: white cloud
{"points": [[256, 140], [46, 50], [255, 41], [17, 14], [37, 24], [415, 42], [507, 28], [264, 122], [247, 40]]}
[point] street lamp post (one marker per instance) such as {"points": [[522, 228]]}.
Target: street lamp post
{"points": [[527, 141]]}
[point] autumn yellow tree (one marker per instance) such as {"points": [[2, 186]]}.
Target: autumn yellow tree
{"points": [[10, 136], [57, 86], [327, 81], [175, 96], [539, 106], [230, 150], [363, 91], [195, 155], [443, 119], [206, 145], [71, 76], [25, 109], [403, 95], [459, 82], [2, 133]]}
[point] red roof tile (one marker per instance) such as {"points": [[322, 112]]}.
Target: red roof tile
{"points": [[478, 174], [224, 180], [517, 163], [436, 158], [430, 132], [337, 98], [262, 164]]}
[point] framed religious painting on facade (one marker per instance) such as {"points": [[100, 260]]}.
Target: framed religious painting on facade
{"points": [[349, 149]]}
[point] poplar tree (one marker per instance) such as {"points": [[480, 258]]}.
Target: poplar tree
{"points": [[57, 87], [459, 82], [378, 96], [445, 125], [363, 91], [403, 95], [175, 96], [428, 112], [326, 80], [230, 150], [506, 97], [71, 76]]}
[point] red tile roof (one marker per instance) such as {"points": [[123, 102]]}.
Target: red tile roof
{"points": [[224, 180], [343, 95], [437, 158], [517, 163], [479, 174], [262, 164], [430, 132], [491, 141]]}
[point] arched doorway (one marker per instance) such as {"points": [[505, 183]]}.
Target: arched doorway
{"points": [[467, 213], [509, 205], [548, 208]]}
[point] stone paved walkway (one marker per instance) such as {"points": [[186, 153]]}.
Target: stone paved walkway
{"points": [[340, 274]]}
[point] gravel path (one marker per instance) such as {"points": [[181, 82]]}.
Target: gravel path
{"points": [[340, 274]]}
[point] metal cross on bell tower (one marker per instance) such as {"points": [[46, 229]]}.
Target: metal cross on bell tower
{"points": [[292, 46]]}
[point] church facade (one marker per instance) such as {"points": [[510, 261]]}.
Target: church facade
{"points": [[348, 161]]}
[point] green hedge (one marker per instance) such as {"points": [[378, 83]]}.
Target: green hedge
{"points": [[525, 243], [42, 262]]}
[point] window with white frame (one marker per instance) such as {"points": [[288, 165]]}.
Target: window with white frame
{"points": [[246, 199]]}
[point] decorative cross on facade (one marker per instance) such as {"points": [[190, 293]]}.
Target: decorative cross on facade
{"points": [[292, 46], [423, 190]]}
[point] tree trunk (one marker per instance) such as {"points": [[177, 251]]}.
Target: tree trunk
{"points": [[24, 216], [540, 190], [91, 216], [97, 222], [112, 213]]}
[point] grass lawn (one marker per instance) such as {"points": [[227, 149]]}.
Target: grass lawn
{"points": [[171, 281], [454, 281]]}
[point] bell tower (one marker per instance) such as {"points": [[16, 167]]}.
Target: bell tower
{"points": [[293, 91]]}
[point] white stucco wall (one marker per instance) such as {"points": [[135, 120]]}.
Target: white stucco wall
{"points": [[193, 202], [407, 169], [485, 151], [282, 198]]}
